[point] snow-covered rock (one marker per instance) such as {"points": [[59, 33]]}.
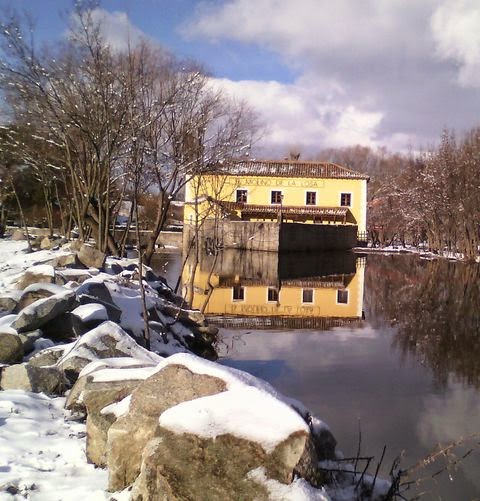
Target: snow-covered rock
{"points": [[129, 435], [67, 259], [103, 388], [37, 291], [35, 274], [108, 340], [40, 312], [89, 312], [47, 356], [48, 380], [195, 426], [109, 370]]}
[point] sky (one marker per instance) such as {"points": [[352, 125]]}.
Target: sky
{"points": [[320, 74]]}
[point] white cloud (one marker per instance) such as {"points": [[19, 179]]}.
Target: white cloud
{"points": [[304, 114], [383, 55], [456, 30], [117, 29], [312, 28]]}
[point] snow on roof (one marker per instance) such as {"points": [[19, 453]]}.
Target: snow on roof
{"points": [[250, 408], [289, 168]]}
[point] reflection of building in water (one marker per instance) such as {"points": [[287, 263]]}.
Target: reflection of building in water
{"points": [[267, 290]]}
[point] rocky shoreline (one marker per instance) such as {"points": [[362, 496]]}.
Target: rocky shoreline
{"points": [[165, 422]]}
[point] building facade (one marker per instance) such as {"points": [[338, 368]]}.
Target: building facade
{"points": [[286, 192]]}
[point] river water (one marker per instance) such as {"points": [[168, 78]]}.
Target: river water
{"points": [[386, 348]]}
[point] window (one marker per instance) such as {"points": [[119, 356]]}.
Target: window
{"points": [[345, 199], [276, 197], [272, 295], [238, 293], [307, 295], [342, 296], [311, 198], [242, 196]]}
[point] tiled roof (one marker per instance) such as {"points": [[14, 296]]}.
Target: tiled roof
{"points": [[287, 210], [289, 168]]}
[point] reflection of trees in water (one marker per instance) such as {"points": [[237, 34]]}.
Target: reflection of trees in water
{"points": [[436, 308]]}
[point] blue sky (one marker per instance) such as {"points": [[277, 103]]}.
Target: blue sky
{"points": [[319, 73], [162, 20]]}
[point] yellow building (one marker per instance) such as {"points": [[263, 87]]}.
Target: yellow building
{"points": [[289, 191], [253, 293]]}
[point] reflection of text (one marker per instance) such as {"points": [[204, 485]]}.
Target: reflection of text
{"points": [[256, 309], [302, 183]]}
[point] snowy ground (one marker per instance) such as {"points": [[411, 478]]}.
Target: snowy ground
{"points": [[14, 260], [424, 254], [42, 455]]}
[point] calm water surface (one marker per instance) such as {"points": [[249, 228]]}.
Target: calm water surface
{"points": [[407, 375]]}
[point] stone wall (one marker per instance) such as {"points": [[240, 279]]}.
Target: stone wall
{"points": [[246, 235], [317, 237], [270, 236]]}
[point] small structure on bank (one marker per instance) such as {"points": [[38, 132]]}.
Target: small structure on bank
{"points": [[277, 205]]}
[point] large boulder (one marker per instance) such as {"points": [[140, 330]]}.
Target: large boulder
{"points": [[75, 401], [203, 429], [35, 274], [130, 433], [11, 348], [103, 388], [40, 312], [91, 257], [48, 380], [108, 340]]}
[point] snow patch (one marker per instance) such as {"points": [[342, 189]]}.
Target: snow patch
{"points": [[42, 455], [89, 312], [250, 408], [108, 375], [114, 363], [53, 288], [246, 412], [118, 409], [298, 490]]}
